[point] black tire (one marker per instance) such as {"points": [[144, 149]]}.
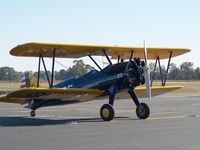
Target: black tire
{"points": [[143, 111], [107, 112], [32, 113]]}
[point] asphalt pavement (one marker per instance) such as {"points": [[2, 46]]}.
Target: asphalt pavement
{"points": [[174, 124]]}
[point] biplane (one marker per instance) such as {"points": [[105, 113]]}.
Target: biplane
{"points": [[114, 81]]}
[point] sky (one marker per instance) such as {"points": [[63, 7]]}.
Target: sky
{"points": [[162, 23]]}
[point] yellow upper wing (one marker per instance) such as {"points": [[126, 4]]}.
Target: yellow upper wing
{"points": [[76, 51]]}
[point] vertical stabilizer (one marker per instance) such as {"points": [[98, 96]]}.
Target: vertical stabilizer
{"points": [[28, 80]]}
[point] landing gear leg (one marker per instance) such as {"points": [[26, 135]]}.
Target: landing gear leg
{"points": [[32, 106], [107, 111], [142, 110]]}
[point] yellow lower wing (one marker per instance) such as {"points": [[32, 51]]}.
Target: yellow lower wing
{"points": [[21, 96], [157, 90], [141, 91], [5, 99]]}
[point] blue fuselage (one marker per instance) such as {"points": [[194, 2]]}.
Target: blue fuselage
{"points": [[102, 80]]}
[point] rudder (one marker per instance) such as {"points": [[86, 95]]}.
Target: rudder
{"points": [[28, 80]]}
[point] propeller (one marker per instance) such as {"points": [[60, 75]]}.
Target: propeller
{"points": [[147, 73]]}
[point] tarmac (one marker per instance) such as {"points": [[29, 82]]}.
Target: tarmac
{"points": [[174, 124]]}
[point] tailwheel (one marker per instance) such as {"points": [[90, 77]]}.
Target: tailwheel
{"points": [[32, 113], [107, 112], [142, 111]]}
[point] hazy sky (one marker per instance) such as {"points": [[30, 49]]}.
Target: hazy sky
{"points": [[162, 23]]}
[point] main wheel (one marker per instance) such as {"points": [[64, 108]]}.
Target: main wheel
{"points": [[143, 111], [107, 112], [32, 113]]}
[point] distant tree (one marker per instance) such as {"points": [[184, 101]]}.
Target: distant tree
{"points": [[197, 73], [187, 71], [60, 75], [78, 69], [174, 72], [156, 75], [42, 74], [8, 73]]}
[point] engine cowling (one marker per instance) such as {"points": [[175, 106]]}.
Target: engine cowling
{"points": [[134, 72]]}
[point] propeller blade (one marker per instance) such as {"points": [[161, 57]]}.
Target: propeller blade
{"points": [[147, 73]]}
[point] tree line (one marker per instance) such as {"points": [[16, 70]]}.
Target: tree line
{"points": [[185, 71], [79, 68]]}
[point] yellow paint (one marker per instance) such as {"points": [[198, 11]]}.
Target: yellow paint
{"points": [[24, 93], [156, 90], [21, 96], [105, 113], [76, 51], [5, 99], [78, 95], [141, 91], [159, 88]]}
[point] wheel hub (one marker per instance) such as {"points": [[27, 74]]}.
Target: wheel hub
{"points": [[141, 110], [105, 112]]}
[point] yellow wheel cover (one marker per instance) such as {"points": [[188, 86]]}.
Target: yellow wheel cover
{"points": [[105, 112]]}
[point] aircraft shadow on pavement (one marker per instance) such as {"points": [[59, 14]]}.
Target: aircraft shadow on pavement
{"points": [[25, 121]]}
